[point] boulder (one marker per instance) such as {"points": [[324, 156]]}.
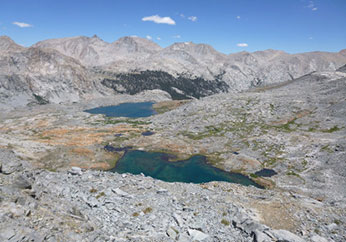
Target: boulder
{"points": [[172, 232], [75, 170], [317, 238], [7, 233], [286, 236], [260, 236], [197, 235], [21, 182], [9, 162]]}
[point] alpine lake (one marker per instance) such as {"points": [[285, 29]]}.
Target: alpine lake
{"points": [[129, 110], [164, 166]]}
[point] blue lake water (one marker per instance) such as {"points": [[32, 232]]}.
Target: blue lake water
{"points": [[193, 170], [130, 110], [266, 172], [148, 133]]}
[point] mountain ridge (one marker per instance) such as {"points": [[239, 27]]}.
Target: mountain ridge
{"points": [[81, 66], [342, 51]]}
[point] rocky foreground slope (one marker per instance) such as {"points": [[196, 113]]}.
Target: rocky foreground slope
{"points": [[296, 128], [38, 205], [81, 68]]}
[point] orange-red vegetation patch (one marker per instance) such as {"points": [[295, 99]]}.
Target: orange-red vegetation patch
{"points": [[81, 151], [42, 123], [81, 136]]}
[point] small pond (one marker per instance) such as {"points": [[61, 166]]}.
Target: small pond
{"points": [[130, 110], [193, 170], [266, 172], [148, 133]]}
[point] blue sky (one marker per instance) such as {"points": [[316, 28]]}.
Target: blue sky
{"points": [[229, 26]]}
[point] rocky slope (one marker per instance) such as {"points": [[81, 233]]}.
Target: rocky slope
{"points": [[296, 128], [43, 75], [78, 205]]}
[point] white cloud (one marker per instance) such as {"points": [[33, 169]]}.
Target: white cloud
{"points": [[158, 38], [22, 25], [159, 20], [242, 45], [238, 17], [182, 15], [193, 18], [178, 36], [312, 6], [149, 37]]}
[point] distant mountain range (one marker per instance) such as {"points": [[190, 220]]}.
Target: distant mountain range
{"points": [[71, 69]]}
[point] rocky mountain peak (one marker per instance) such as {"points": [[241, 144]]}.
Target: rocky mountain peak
{"points": [[128, 43], [8, 45], [199, 49], [69, 42], [205, 49], [136, 44], [194, 52], [5, 38], [181, 46], [268, 54], [88, 50]]}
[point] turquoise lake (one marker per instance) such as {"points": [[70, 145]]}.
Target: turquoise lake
{"points": [[193, 170], [130, 110]]}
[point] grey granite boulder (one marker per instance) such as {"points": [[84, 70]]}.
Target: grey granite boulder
{"points": [[9, 162]]}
